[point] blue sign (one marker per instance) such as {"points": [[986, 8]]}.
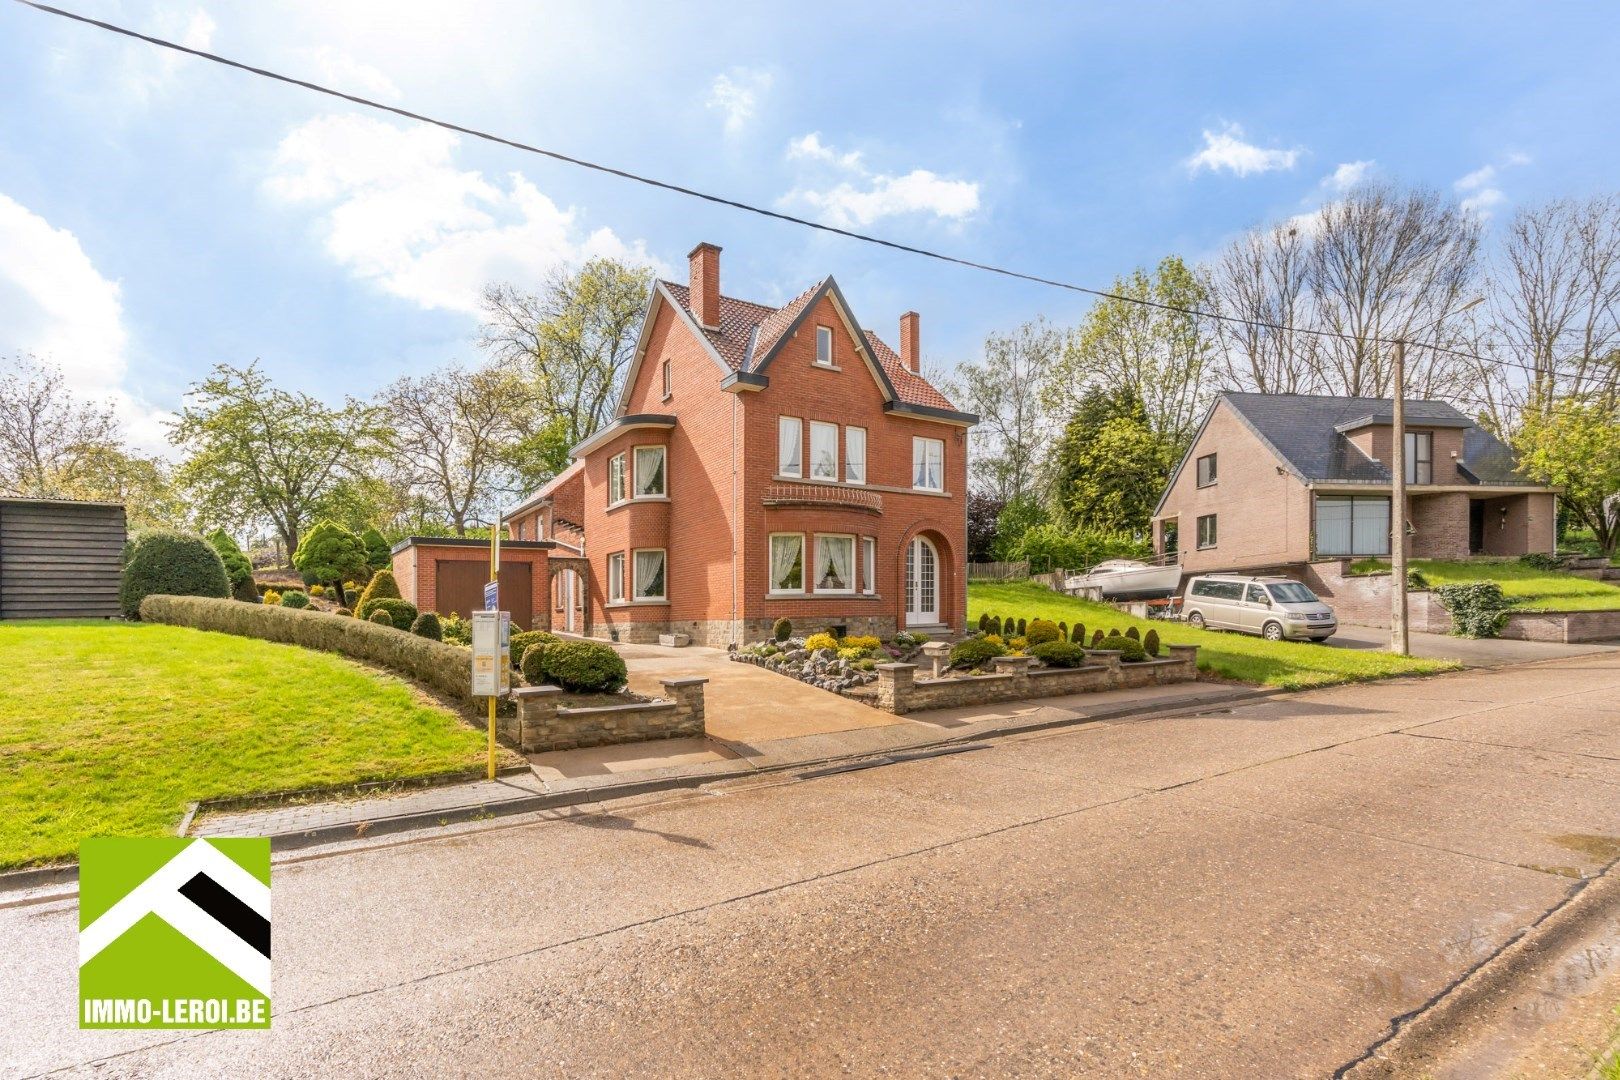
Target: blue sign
{"points": [[492, 596]]}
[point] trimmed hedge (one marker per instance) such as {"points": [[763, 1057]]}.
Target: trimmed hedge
{"points": [[1059, 654], [977, 651], [522, 642], [1041, 631], [581, 666], [167, 563], [445, 668], [1130, 650], [1150, 643]]}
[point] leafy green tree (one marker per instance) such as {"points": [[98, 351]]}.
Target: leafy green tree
{"points": [[378, 554], [1576, 446], [46, 432], [1109, 467], [144, 485], [1004, 390], [330, 553], [1017, 517], [237, 566]]}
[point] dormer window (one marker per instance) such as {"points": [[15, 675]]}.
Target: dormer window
{"points": [[1419, 457], [824, 346]]}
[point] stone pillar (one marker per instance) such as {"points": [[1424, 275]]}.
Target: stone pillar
{"points": [[687, 694], [1187, 654], [1018, 667], [894, 687], [537, 716]]}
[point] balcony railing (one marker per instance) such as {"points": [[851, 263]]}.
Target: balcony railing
{"points": [[835, 496]]}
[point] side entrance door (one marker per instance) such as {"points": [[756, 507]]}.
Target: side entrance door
{"points": [[922, 583]]}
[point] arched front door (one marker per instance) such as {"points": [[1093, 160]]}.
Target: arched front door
{"points": [[922, 583]]}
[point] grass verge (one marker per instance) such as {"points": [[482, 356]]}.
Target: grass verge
{"points": [[1525, 587], [1291, 665], [110, 729]]}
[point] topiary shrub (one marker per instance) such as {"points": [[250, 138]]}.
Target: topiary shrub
{"points": [[1133, 633], [317, 590], [1097, 639], [583, 667], [995, 624], [1063, 630], [521, 643], [1042, 630], [820, 641], [782, 629], [977, 651], [427, 625], [1477, 608], [1078, 634], [342, 611], [381, 618], [162, 562], [237, 567], [1130, 650], [1150, 643], [294, 599], [984, 622], [1065, 654], [401, 613], [329, 552], [1540, 560], [1022, 629], [382, 585], [533, 665]]}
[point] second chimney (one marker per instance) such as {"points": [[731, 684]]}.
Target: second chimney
{"points": [[911, 341], [704, 284]]}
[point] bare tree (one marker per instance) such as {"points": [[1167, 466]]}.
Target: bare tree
{"points": [[48, 438], [1004, 389], [447, 436], [1263, 277]]}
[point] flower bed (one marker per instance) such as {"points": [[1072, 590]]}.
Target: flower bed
{"points": [[840, 665]]}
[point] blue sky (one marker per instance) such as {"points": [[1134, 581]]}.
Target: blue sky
{"points": [[159, 214]]}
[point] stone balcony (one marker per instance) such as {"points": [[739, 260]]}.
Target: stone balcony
{"points": [[827, 496]]}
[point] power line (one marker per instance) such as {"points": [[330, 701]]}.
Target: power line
{"points": [[736, 204]]}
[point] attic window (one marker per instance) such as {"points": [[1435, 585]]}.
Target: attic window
{"points": [[824, 349]]}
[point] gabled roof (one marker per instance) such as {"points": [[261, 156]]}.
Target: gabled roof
{"points": [[549, 489]]}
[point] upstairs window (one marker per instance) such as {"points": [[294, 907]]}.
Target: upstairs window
{"points": [[789, 434], [669, 381], [1419, 457], [615, 479], [823, 451], [649, 472], [855, 455], [824, 343], [928, 464], [1206, 470]]}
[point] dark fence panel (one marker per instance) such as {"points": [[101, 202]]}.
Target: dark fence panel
{"points": [[59, 559]]}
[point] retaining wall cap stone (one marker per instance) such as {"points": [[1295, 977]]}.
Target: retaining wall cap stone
{"points": [[536, 691]]}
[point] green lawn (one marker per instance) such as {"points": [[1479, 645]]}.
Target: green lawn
{"points": [[1288, 664], [110, 729], [1525, 587]]}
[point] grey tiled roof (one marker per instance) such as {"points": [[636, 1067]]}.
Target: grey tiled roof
{"points": [[1304, 430]]}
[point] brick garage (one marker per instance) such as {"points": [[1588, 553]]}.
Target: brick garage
{"points": [[447, 574]]}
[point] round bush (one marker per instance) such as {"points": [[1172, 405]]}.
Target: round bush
{"points": [[1150, 643], [782, 629], [317, 590], [1078, 634], [984, 622], [521, 644], [294, 598], [1130, 650], [401, 613], [342, 611], [1133, 633], [162, 562], [427, 625], [820, 641], [1058, 654], [533, 664], [977, 651], [271, 597], [380, 617], [583, 667], [457, 631], [1042, 630]]}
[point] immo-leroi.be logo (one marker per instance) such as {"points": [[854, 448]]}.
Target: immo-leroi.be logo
{"points": [[174, 933]]}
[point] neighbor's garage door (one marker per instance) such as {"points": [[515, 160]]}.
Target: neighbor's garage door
{"points": [[461, 588]]}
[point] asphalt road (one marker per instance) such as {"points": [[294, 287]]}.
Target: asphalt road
{"points": [[1254, 892]]}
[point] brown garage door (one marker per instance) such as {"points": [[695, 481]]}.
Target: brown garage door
{"points": [[461, 588]]}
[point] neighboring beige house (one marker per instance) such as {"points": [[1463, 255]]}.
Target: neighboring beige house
{"points": [[1280, 480]]}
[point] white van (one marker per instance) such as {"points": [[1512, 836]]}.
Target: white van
{"points": [[1276, 608]]}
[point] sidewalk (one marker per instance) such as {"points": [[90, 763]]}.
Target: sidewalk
{"points": [[569, 778]]}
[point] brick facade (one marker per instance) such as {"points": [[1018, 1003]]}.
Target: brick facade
{"points": [[416, 562]]}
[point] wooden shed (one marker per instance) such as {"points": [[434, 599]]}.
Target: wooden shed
{"points": [[60, 558]]}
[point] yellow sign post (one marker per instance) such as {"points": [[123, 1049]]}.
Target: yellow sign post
{"points": [[494, 577]]}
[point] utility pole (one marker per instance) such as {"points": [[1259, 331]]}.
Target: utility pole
{"points": [[1398, 640]]}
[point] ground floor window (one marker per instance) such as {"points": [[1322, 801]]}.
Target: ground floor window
{"points": [[1206, 531], [1352, 525], [787, 563], [616, 576], [649, 582], [835, 564], [869, 564]]}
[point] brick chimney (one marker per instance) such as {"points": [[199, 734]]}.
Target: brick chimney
{"points": [[705, 284], [911, 341]]}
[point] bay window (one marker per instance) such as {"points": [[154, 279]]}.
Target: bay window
{"points": [[616, 577], [615, 479], [649, 472], [787, 563], [649, 581], [789, 435], [835, 564], [823, 450], [928, 464], [855, 455]]}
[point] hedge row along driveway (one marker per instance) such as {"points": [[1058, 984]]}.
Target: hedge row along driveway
{"points": [[110, 729]]}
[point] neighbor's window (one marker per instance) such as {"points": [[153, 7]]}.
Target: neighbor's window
{"points": [[823, 451], [855, 455], [650, 574], [787, 562], [824, 353], [1206, 470], [928, 464], [669, 380], [789, 434], [1419, 457], [1352, 525], [835, 564], [616, 577], [649, 471], [615, 479], [1206, 531], [869, 564]]}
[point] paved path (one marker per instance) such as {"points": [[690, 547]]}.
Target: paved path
{"points": [[1254, 892], [1474, 652]]}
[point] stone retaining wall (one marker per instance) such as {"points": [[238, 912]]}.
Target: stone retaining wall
{"points": [[1366, 600], [900, 691], [541, 725], [1565, 626]]}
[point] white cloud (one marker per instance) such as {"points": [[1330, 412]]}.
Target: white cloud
{"points": [[1226, 150], [736, 94], [1480, 194], [143, 73], [399, 213], [55, 304], [877, 195], [342, 71], [1348, 175]]}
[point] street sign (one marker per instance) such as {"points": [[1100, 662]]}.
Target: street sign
{"points": [[491, 653], [492, 596]]}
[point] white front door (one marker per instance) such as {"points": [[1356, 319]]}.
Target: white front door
{"points": [[922, 583]]}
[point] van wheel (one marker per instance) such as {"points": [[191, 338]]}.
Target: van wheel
{"points": [[1196, 620], [1273, 631]]}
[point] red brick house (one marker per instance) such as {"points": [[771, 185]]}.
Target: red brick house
{"points": [[1274, 481], [764, 462]]}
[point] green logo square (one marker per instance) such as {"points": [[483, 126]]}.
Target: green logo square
{"points": [[174, 933]]}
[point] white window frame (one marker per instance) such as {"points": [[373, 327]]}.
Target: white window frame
{"points": [[616, 472], [782, 423], [615, 577], [828, 441], [772, 587], [919, 455], [820, 537], [669, 380], [635, 478], [853, 437], [825, 334], [635, 583], [869, 565]]}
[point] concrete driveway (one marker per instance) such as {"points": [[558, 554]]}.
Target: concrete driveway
{"points": [[1473, 652]]}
